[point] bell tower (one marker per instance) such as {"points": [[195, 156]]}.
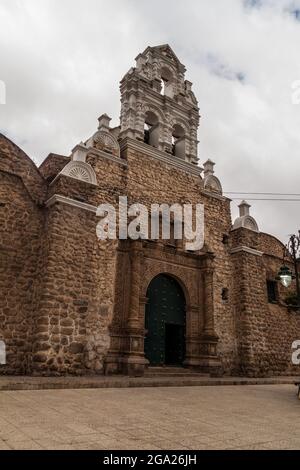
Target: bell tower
{"points": [[158, 106]]}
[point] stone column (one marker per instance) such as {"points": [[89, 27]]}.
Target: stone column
{"points": [[209, 361], [193, 141], [166, 133], [134, 360], [139, 119], [192, 337], [207, 277], [135, 277], [143, 303]]}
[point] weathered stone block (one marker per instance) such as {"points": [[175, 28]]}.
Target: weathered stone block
{"points": [[76, 348]]}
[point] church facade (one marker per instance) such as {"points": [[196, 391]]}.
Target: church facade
{"points": [[71, 303]]}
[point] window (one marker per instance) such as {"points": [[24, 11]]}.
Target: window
{"points": [[225, 293], [225, 239], [272, 291]]}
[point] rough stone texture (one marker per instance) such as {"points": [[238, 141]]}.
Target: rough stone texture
{"points": [[70, 303], [13, 160], [74, 305], [52, 165], [61, 286], [265, 331], [21, 221]]}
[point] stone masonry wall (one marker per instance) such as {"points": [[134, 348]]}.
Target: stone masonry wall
{"points": [[52, 165], [22, 192], [20, 225], [58, 281], [265, 331], [76, 296], [151, 181], [13, 160], [146, 180]]}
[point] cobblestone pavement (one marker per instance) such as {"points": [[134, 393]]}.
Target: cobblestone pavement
{"points": [[220, 417]]}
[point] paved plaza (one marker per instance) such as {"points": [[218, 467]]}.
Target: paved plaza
{"points": [[219, 417]]}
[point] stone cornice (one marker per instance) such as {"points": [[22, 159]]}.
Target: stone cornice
{"points": [[160, 100], [246, 249], [60, 175], [133, 144], [215, 195], [107, 156], [98, 153], [71, 202]]}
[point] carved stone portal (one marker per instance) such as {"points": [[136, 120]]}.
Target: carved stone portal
{"points": [[143, 261]]}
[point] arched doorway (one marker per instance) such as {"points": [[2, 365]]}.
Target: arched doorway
{"points": [[165, 322]]}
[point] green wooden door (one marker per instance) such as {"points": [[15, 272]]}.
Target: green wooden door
{"points": [[165, 316]]}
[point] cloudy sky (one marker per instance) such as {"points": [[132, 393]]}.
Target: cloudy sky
{"points": [[61, 61]]}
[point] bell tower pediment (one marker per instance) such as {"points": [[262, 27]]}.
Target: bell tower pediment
{"points": [[164, 52]]}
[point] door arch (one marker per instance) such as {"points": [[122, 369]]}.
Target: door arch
{"points": [[165, 322]]}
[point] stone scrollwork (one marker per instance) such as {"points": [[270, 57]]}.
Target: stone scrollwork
{"points": [[81, 171], [250, 223], [105, 141], [245, 220], [212, 183]]}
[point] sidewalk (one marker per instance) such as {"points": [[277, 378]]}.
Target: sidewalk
{"points": [[70, 382]]}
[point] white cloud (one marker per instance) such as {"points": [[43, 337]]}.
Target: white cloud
{"points": [[62, 60]]}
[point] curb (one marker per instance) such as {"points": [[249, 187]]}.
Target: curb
{"points": [[48, 383]]}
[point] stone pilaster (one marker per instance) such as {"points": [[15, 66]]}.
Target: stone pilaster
{"points": [[134, 360], [192, 337], [209, 361], [249, 297]]}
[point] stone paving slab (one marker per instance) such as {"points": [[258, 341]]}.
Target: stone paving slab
{"points": [[71, 382], [160, 418]]}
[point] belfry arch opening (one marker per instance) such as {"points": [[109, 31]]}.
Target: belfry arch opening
{"points": [[167, 83], [151, 129], [165, 322], [178, 141]]}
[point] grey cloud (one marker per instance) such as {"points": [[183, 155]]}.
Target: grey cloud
{"points": [[62, 61], [220, 69]]}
